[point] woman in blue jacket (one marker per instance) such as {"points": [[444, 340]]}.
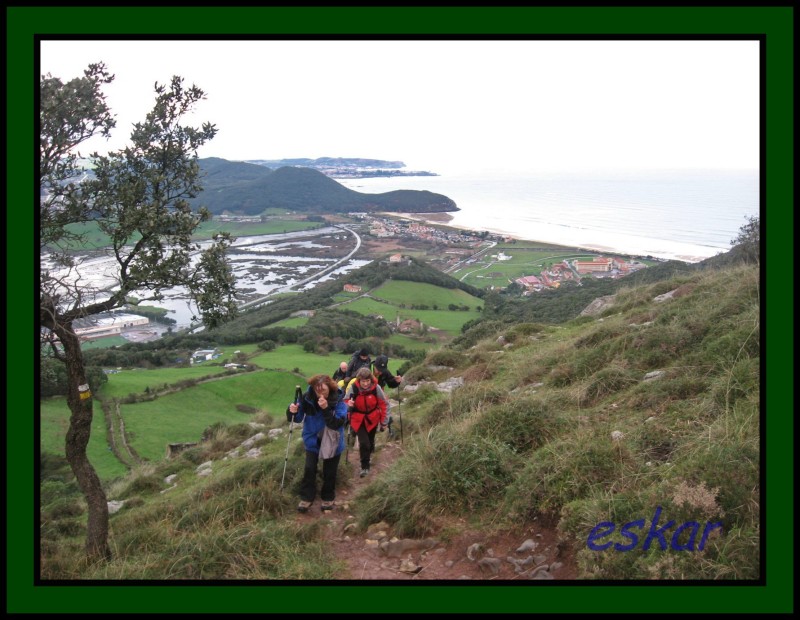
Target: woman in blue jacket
{"points": [[321, 407]]}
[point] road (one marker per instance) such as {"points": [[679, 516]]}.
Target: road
{"points": [[471, 257]]}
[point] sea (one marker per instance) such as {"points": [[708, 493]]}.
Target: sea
{"points": [[686, 215]]}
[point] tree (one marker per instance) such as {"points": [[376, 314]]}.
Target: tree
{"points": [[749, 239], [139, 198]]}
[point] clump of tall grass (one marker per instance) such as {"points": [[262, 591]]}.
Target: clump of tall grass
{"points": [[522, 424], [566, 469], [448, 471], [464, 400]]}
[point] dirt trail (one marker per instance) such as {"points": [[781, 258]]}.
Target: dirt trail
{"points": [[448, 558]]}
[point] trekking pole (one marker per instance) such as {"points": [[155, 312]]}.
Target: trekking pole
{"points": [[400, 414], [347, 431], [298, 394]]}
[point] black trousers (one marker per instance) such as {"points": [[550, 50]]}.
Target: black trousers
{"points": [[366, 444], [308, 487]]}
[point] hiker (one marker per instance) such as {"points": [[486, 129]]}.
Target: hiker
{"points": [[360, 359], [384, 377], [383, 374], [367, 409], [323, 412], [340, 375]]}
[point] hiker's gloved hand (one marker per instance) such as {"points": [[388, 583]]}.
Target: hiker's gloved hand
{"points": [[381, 428]]}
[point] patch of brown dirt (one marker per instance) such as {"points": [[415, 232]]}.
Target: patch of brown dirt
{"points": [[448, 558]]}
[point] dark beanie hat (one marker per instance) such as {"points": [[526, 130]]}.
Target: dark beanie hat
{"points": [[364, 352]]}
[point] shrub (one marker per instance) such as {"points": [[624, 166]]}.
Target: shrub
{"points": [[445, 357], [522, 424]]}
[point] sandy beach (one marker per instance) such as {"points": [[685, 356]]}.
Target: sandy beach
{"points": [[445, 219]]}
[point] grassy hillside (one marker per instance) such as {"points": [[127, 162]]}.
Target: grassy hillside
{"points": [[567, 425], [648, 411]]}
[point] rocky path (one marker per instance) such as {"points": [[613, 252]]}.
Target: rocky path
{"points": [[455, 553]]}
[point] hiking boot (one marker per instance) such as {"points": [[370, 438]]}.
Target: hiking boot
{"points": [[327, 506], [364, 472], [303, 506]]}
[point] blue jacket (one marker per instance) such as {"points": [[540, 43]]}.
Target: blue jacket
{"points": [[311, 415]]}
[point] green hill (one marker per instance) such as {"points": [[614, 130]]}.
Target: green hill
{"points": [[250, 189]]}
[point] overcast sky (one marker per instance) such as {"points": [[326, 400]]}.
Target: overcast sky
{"points": [[449, 106]]}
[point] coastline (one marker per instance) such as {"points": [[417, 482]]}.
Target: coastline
{"points": [[445, 219]]}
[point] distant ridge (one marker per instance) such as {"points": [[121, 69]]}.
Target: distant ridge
{"points": [[337, 162], [249, 189]]}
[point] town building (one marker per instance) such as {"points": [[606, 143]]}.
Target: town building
{"points": [[106, 324], [529, 282], [598, 264], [204, 355]]}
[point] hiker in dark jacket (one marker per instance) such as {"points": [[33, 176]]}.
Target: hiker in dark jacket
{"points": [[383, 374], [340, 375], [321, 407], [367, 408], [360, 359]]}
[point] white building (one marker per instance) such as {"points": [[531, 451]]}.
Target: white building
{"points": [[204, 355], [107, 324]]}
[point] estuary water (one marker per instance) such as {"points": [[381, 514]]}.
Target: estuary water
{"points": [[686, 215]]}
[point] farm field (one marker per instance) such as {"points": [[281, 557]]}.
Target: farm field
{"points": [[393, 300], [404, 293], [293, 321], [182, 416], [447, 320], [135, 380], [290, 356], [270, 227]]}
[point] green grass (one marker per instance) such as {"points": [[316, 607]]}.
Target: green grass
{"points": [[135, 380], [94, 238], [401, 293], [296, 321], [291, 356], [412, 344], [240, 229], [103, 343], [54, 424], [183, 416]]}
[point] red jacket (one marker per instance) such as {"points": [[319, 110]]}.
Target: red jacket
{"points": [[369, 407]]}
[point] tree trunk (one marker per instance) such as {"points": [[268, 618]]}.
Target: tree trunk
{"points": [[79, 399]]}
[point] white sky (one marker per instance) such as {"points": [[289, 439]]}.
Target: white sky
{"points": [[448, 106]]}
